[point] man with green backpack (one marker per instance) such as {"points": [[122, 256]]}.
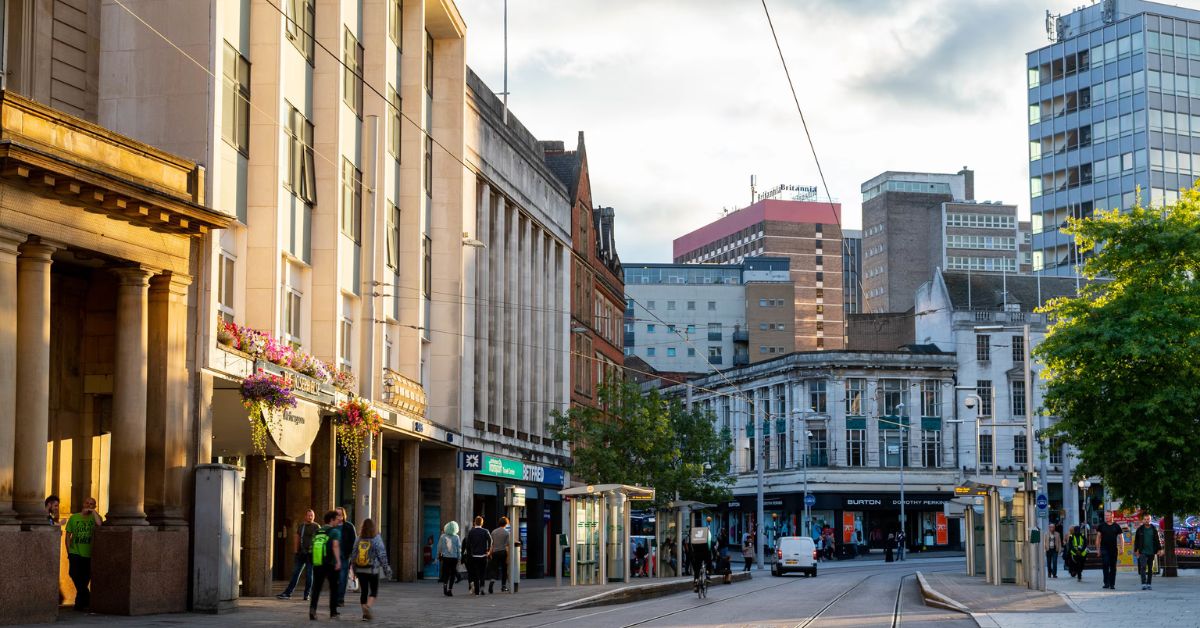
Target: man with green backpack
{"points": [[327, 563]]}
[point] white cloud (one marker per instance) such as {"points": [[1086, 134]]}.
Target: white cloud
{"points": [[681, 101]]}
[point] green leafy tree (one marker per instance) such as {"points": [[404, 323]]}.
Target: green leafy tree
{"points": [[643, 438], [1123, 358]]}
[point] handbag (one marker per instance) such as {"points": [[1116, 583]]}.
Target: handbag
{"points": [[352, 583]]}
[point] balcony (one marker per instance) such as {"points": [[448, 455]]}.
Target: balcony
{"points": [[741, 335], [741, 359], [629, 336], [714, 359], [714, 336]]}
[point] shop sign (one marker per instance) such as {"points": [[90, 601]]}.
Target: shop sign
{"points": [[502, 467], [545, 475], [960, 491], [881, 502]]}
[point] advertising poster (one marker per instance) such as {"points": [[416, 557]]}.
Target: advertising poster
{"points": [[943, 533], [847, 527]]}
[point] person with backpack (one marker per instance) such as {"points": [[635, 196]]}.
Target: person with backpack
{"points": [[349, 536], [449, 550], [370, 559], [327, 562], [303, 560], [478, 548]]}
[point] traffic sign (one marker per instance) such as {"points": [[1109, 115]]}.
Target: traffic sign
{"points": [[1042, 502], [810, 500]]}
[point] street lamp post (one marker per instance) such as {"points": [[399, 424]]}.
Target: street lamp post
{"points": [[903, 455], [807, 527]]}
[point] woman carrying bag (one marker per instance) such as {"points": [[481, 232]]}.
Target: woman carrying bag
{"points": [[449, 550], [370, 559]]}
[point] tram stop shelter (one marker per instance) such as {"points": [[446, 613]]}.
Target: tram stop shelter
{"points": [[999, 546], [675, 523], [600, 531]]}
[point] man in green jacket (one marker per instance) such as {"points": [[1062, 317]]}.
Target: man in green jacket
{"points": [[1145, 547]]}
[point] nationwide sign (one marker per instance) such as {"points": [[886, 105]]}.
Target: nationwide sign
{"points": [[495, 466]]}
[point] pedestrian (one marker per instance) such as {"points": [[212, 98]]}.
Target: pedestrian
{"points": [[349, 536], [643, 564], [1053, 547], [1076, 553], [747, 556], [327, 562], [499, 559], [1108, 537], [80, 529], [1146, 546], [900, 544], [888, 547], [477, 547], [370, 559], [302, 548], [449, 550], [51, 504]]}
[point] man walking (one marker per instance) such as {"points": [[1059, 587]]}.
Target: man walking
{"points": [[477, 547], [900, 544], [349, 537], [80, 528], [327, 562], [1110, 539], [302, 547], [1146, 546], [1053, 548], [499, 558]]}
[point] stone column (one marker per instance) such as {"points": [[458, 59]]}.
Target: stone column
{"points": [[410, 510], [512, 319], [258, 522], [33, 380], [128, 486], [497, 329], [167, 401], [525, 350], [541, 411], [9, 243], [483, 280]]}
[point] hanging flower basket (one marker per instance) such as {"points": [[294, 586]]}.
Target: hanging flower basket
{"points": [[353, 420], [343, 380], [266, 395]]}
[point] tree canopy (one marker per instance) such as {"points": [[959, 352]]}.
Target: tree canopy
{"points": [[1123, 358], [646, 439]]}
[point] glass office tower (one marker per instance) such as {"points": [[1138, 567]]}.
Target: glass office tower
{"points": [[1114, 109]]}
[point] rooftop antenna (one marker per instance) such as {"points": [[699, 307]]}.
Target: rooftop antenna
{"points": [[753, 190], [1051, 26], [505, 92]]}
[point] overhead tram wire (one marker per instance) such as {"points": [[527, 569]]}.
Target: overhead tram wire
{"points": [[807, 134]]}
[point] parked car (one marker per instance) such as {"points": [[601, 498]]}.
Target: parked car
{"points": [[795, 553]]}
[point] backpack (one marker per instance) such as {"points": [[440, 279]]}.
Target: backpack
{"points": [[362, 554], [322, 554]]}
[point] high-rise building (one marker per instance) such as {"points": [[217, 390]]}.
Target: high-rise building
{"points": [[1110, 113], [685, 318], [852, 271], [808, 233], [915, 222]]}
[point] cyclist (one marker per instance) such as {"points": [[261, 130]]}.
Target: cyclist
{"points": [[702, 553]]}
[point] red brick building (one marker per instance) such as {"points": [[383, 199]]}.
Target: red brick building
{"points": [[597, 282]]}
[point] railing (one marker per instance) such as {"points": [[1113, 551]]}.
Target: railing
{"points": [[741, 359], [741, 335], [714, 359], [714, 336]]}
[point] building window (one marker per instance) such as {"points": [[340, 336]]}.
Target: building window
{"points": [[301, 17], [650, 352], [983, 388], [351, 200], [347, 331], [670, 352], [1056, 451], [712, 306], [714, 331], [1018, 397], [931, 448], [427, 264], [1018, 349], [397, 120], [895, 393], [235, 121], [985, 449], [1020, 451], [352, 80], [818, 448], [691, 352], [670, 305], [893, 444], [818, 396], [856, 390], [931, 398], [650, 327], [225, 285], [691, 306], [396, 21], [393, 237], [649, 305], [302, 177], [291, 316], [856, 448], [983, 347], [428, 166]]}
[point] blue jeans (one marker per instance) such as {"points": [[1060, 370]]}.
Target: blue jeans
{"points": [[303, 563], [343, 577]]}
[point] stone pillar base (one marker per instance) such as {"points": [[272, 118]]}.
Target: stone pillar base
{"points": [[29, 594], [139, 570]]}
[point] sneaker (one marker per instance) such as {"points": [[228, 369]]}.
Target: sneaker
{"points": [[305, 597], [312, 615], [504, 589], [285, 596], [1149, 588]]}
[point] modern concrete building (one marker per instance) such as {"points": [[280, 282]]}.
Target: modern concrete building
{"points": [[597, 281], [852, 271], [980, 319], [1109, 112], [809, 234], [840, 424], [685, 318], [914, 223]]}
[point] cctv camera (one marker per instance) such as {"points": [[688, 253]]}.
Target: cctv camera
{"points": [[970, 402]]}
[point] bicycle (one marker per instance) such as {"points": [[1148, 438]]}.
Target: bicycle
{"points": [[702, 584]]}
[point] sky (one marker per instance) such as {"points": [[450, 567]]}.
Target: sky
{"points": [[681, 101]]}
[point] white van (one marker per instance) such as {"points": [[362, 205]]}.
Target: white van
{"points": [[795, 553]]}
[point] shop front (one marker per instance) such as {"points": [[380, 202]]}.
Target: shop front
{"points": [[541, 519]]}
